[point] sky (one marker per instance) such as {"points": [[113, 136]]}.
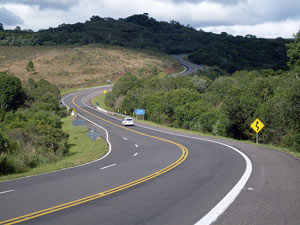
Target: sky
{"points": [[262, 18]]}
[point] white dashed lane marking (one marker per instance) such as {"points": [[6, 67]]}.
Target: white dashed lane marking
{"points": [[4, 192], [105, 167]]}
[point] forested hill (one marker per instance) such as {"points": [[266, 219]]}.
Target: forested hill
{"points": [[141, 31]]}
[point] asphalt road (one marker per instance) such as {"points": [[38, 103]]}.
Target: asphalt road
{"points": [[152, 176], [189, 66]]}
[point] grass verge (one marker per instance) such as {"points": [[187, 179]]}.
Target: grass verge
{"points": [[71, 90], [100, 100], [81, 151]]}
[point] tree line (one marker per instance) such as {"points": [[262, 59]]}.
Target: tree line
{"points": [[141, 31], [30, 128], [210, 101]]}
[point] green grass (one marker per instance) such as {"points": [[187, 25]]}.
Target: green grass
{"points": [[71, 90], [100, 100], [81, 151]]}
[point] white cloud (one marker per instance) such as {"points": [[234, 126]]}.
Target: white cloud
{"points": [[284, 29], [34, 18], [45, 4], [258, 17]]}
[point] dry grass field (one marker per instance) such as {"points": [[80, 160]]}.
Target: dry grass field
{"points": [[69, 67]]}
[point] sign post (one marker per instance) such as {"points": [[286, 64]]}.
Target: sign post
{"points": [[257, 126], [140, 112], [78, 123], [93, 134]]}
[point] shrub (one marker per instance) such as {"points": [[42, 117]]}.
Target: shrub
{"points": [[11, 164], [4, 144], [30, 66], [292, 140]]}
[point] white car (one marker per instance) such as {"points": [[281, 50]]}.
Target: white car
{"points": [[127, 121]]}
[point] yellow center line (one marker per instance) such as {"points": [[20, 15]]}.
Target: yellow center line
{"points": [[184, 155]]}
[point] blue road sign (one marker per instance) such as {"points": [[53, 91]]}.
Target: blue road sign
{"points": [[94, 134], [140, 112], [77, 123]]}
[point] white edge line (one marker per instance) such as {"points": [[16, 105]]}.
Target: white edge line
{"points": [[105, 167], [4, 192], [185, 69], [221, 206], [135, 154], [107, 140], [125, 139], [136, 146]]}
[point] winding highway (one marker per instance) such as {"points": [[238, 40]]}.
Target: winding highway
{"points": [[189, 66], [153, 175]]}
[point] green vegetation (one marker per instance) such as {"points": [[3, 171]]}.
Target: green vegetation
{"points": [[223, 106], [238, 53], [141, 31], [99, 101], [30, 126], [30, 66], [80, 151], [33, 136]]}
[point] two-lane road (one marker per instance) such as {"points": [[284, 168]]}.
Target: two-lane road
{"points": [[151, 176], [148, 176]]}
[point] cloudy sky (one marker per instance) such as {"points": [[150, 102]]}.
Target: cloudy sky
{"points": [[263, 18]]}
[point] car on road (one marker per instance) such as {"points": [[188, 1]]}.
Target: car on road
{"points": [[127, 121]]}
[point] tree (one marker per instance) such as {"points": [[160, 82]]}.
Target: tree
{"points": [[293, 52], [30, 66], [200, 83], [12, 95], [3, 144], [1, 27], [18, 28]]}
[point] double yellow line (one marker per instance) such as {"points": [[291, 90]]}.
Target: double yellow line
{"points": [[184, 155]]}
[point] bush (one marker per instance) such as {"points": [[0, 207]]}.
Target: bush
{"points": [[11, 164], [30, 66], [292, 140], [4, 144]]}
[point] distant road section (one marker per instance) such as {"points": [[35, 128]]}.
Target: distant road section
{"points": [[189, 66]]}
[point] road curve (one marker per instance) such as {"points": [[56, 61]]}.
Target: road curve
{"points": [[189, 66], [182, 194]]}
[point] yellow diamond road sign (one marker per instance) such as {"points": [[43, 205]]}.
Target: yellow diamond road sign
{"points": [[257, 125]]}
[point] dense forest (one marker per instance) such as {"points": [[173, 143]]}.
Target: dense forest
{"points": [[141, 31], [221, 105], [30, 127]]}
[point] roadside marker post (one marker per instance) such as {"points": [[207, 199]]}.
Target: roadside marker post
{"points": [[257, 126], [93, 134], [74, 113]]}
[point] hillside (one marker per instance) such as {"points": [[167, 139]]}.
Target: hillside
{"points": [[81, 66], [141, 31]]}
